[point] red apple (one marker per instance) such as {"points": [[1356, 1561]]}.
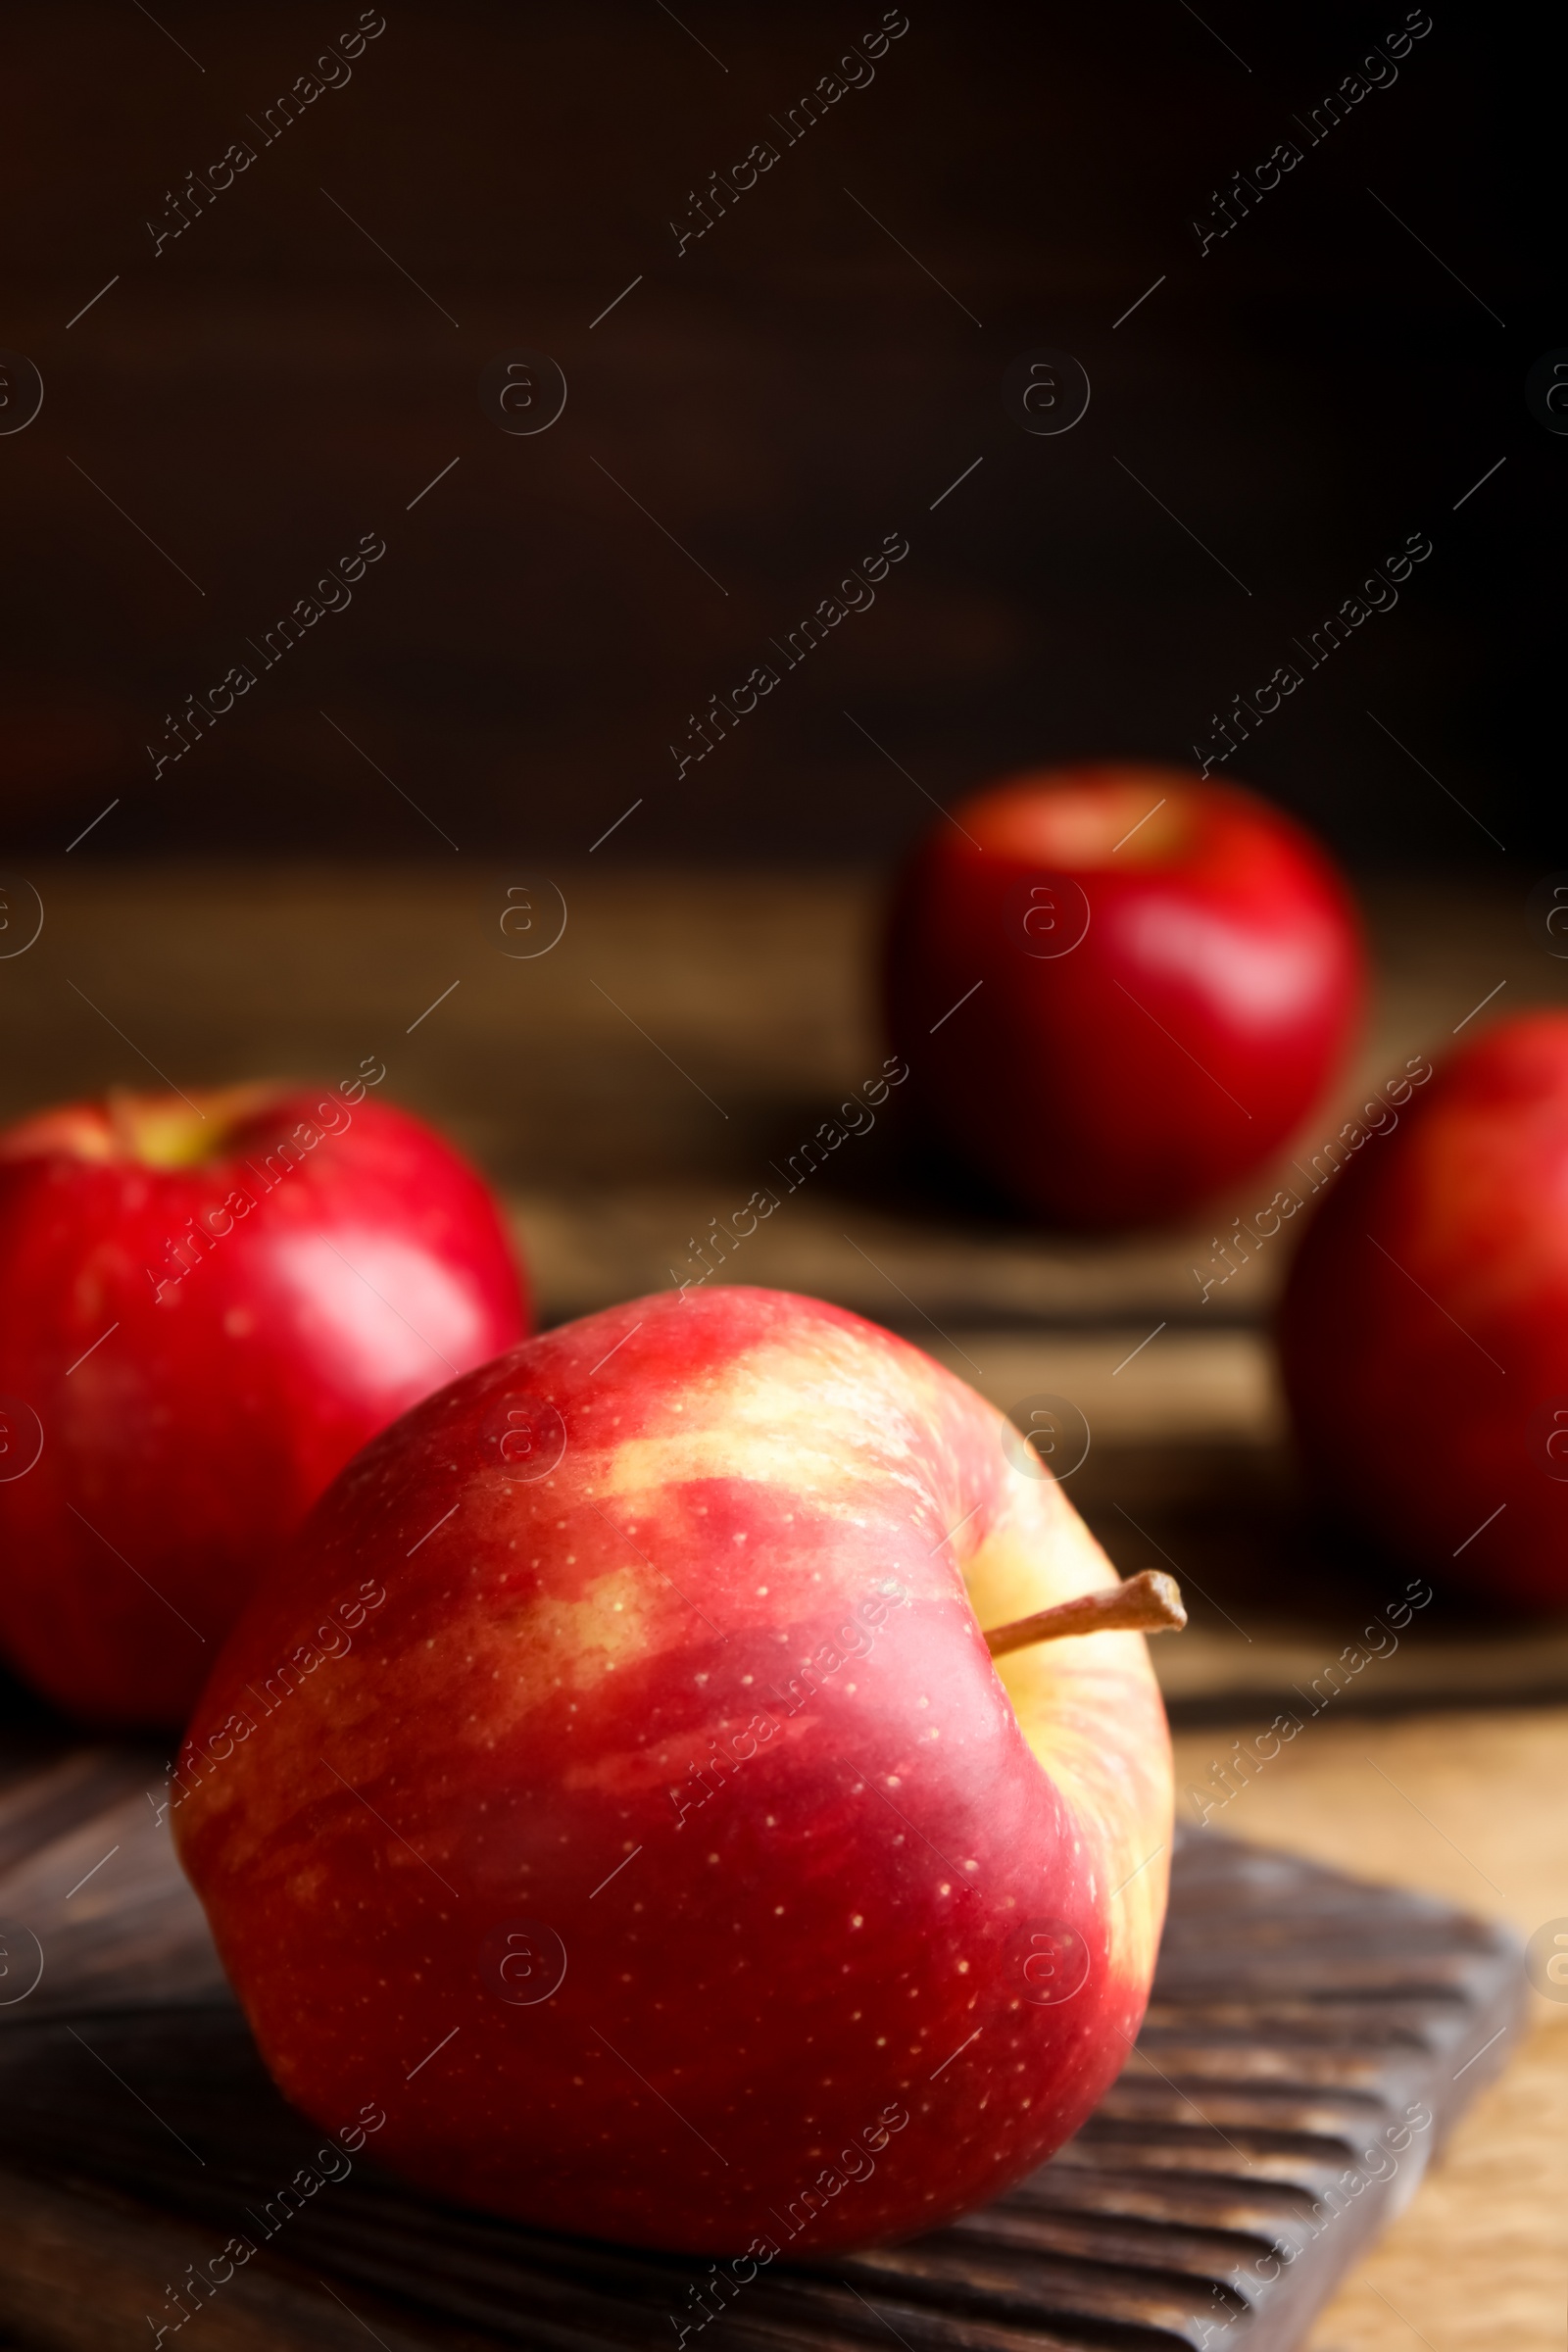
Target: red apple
{"points": [[1424, 1329], [1118, 988], [206, 1306], [613, 1793]]}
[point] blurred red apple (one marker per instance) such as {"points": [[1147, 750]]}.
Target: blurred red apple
{"points": [[656, 1846], [209, 1305], [1118, 988], [1424, 1328]]}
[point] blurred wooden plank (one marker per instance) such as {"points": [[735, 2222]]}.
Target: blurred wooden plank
{"points": [[1469, 1807], [101, 1911], [779, 395], [644, 1076], [631, 1086], [1478, 2257]]}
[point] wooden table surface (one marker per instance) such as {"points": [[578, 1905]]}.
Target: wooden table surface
{"points": [[635, 1081]]}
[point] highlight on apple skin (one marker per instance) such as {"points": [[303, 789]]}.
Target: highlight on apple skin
{"points": [[210, 1303], [613, 1789], [1424, 1327], [1118, 987]]}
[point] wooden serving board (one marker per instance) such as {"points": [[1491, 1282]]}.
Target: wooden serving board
{"points": [[1310, 2041]]}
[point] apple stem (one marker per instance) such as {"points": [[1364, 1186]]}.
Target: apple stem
{"points": [[118, 1100], [1148, 1603]]}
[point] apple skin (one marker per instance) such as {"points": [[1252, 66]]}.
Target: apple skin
{"points": [[1184, 1036], [764, 1970], [1424, 1327], [258, 1334]]}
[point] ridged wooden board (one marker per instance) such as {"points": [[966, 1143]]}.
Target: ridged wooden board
{"points": [[1310, 2040]]}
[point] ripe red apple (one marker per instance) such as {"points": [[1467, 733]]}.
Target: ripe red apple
{"points": [[206, 1306], [1118, 988], [613, 1791], [1424, 1329]]}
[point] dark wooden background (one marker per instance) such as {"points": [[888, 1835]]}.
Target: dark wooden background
{"points": [[271, 385]]}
